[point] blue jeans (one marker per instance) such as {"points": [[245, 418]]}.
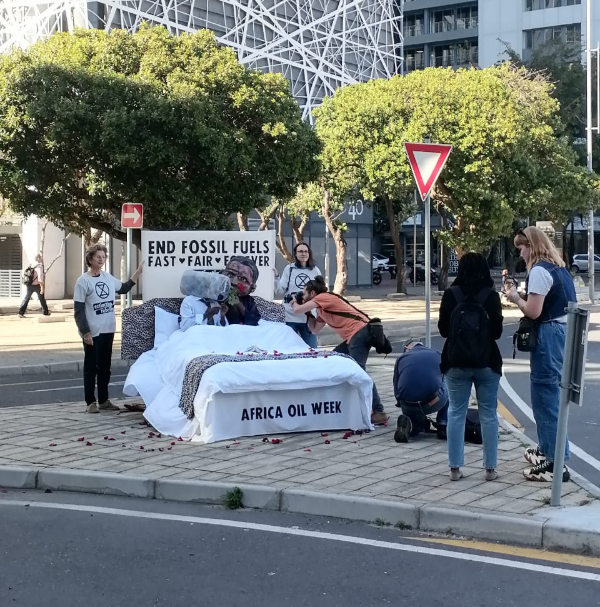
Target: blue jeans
{"points": [[459, 383], [418, 413], [302, 329], [546, 370]]}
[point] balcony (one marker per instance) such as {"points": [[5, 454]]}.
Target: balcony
{"points": [[413, 30]]}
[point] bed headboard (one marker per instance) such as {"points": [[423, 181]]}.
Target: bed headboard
{"points": [[137, 332]]}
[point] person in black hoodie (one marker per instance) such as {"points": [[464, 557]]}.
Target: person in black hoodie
{"points": [[471, 321]]}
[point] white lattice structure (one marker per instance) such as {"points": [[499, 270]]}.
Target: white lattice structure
{"points": [[318, 45]]}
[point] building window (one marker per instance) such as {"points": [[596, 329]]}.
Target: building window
{"points": [[414, 60], [536, 5], [467, 18], [467, 54], [414, 25], [442, 21], [565, 33]]}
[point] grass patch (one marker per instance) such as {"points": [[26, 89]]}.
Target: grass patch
{"points": [[233, 499], [402, 526]]}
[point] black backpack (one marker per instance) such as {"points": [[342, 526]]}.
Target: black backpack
{"points": [[28, 276], [473, 427], [470, 338]]}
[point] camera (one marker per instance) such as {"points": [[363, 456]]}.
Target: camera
{"points": [[299, 297]]}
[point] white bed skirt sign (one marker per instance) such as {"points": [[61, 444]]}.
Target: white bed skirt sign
{"points": [[273, 412], [169, 254]]}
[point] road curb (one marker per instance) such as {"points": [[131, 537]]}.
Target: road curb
{"points": [[539, 532], [69, 366]]}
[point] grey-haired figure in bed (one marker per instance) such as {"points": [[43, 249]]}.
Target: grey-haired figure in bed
{"points": [[220, 299]]}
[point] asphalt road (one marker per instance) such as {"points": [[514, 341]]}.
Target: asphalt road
{"points": [[101, 551]]}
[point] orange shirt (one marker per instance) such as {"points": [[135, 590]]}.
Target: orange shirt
{"points": [[346, 328]]}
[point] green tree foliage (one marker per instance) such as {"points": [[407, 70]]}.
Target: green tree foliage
{"points": [[91, 120], [507, 160]]}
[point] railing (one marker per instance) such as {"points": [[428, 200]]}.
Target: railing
{"points": [[413, 30], [443, 26], [467, 24]]}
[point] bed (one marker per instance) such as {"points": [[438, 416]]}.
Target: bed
{"points": [[213, 383]]}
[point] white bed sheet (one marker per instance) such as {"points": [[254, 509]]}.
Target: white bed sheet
{"points": [[157, 376]]}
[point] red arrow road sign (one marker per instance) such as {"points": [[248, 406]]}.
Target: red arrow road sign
{"points": [[427, 161], [132, 215]]}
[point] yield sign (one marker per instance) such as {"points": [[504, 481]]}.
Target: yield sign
{"points": [[132, 215], [427, 161]]}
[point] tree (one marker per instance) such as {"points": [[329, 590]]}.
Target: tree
{"points": [[91, 120], [507, 161]]}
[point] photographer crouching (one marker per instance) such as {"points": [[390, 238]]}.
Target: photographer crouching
{"points": [[348, 322]]}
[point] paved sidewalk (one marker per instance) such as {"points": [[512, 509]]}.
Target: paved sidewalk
{"points": [[339, 469]]}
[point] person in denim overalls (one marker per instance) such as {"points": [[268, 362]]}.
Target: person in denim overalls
{"points": [[549, 289]]}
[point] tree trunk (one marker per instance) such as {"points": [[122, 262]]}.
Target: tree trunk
{"points": [[298, 230], [444, 268], [281, 244], [267, 215], [400, 275], [341, 277], [242, 222]]}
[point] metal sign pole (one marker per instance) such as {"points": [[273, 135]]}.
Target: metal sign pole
{"points": [[129, 261], [589, 134], [327, 256], [415, 242], [563, 411], [427, 271]]}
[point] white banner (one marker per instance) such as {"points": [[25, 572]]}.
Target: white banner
{"points": [[169, 254], [267, 412]]}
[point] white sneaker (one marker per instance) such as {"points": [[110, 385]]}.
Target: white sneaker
{"points": [[92, 408]]}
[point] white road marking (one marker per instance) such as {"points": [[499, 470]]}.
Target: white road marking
{"points": [[526, 409], [46, 381], [80, 387], [463, 556]]}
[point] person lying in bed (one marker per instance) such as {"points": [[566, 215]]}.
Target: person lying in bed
{"points": [[239, 309]]}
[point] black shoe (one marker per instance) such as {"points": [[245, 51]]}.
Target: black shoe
{"points": [[47, 313], [544, 473], [404, 426], [21, 315], [534, 455], [441, 433]]}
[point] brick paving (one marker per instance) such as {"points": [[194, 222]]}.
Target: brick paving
{"points": [[370, 465]]}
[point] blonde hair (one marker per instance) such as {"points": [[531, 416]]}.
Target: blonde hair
{"points": [[542, 248], [91, 251]]}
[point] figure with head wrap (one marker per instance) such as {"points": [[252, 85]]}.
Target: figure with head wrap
{"points": [[220, 299]]}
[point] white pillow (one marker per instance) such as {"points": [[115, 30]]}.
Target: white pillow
{"points": [[165, 324]]}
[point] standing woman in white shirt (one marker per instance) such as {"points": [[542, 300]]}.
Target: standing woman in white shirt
{"points": [[94, 306], [293, 280]]}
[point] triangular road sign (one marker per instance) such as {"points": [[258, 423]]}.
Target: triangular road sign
{"points": [[427, 161]]}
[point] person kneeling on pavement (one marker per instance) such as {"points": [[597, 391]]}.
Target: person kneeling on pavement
{"points": [[420, 390], [348, 322]]}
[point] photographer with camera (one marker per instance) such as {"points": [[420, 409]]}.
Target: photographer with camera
{"points": [[348, 322], [292, 282]]}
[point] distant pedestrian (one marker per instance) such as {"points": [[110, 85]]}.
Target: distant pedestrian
{"points": [[471, 321], [549, 289], [35, 277], [94, 308], [420, 390]]}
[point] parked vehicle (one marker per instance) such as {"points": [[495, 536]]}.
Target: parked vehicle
{"points": [[380, 261], [421, 275], [580, 263]]}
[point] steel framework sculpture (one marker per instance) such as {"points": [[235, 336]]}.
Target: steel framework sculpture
{"points": [[319, 45]]}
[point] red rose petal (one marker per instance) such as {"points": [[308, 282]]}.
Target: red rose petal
{"points": [[123, 431], [327, 442], [106, 438], [160, 449], [52, 444], [141, 446], [180, 439], [172, 444], [237, 443], [324, 434], [150, 434], [307, 449], [88, 444], [226, 446], [169, 448], [159, 436], [112, 438], [4, 491], [276, 441], [265, 440], [81, 439]]}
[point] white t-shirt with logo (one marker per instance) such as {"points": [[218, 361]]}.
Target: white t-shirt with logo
{"points": [[293, 280], [98, 294]]}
